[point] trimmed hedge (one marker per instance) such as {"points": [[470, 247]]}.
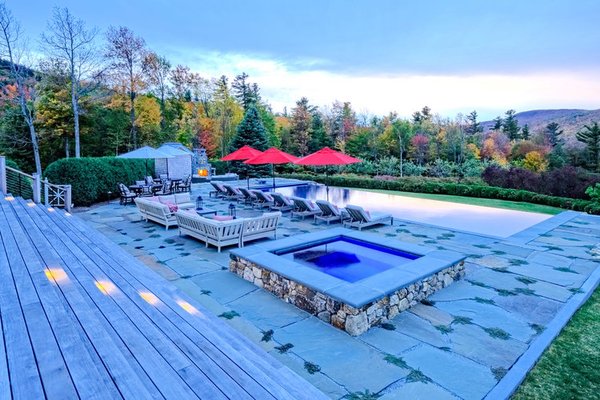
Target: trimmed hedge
{"points": [[424, 185], [91, 178]]}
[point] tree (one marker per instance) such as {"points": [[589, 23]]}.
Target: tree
{"points": [[318, 135], [525, 132], [535, 161], [249, 132], [158, 69], [473, 127], [420, 146], [245, 92], [300, 126], [591, 137], [510, 125], [181, 81], [403, 131], [11, 49], [553, 134], [497, 123], [126, 52], [71, 41], [226, 111]]}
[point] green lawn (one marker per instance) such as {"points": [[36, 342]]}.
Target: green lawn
{"points": [[570, 367], [476, 201]]}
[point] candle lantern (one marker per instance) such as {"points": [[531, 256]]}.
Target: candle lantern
{"points": [[232, 210], [199, 203]]}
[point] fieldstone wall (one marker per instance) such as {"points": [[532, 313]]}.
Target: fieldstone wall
{"points": [[355, 321]]}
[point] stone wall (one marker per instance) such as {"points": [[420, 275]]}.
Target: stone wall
{"points": [[353, 320]]}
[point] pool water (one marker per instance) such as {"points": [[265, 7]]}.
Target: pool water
{"points": [[348, 259], [487, 221]]}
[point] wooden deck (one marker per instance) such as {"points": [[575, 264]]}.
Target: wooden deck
{"points": [[81, 318]]}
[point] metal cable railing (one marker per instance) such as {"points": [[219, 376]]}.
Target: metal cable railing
{"points": [[19, 184]]}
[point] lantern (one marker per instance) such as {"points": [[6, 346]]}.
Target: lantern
{"points": [[232, 211], [199, 203]]}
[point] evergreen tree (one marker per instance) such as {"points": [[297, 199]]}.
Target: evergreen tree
{"points": [[510, 125], [300, 127], [497, 123], [591, 137], [245, 92], [525, 132], [318, 135], [474, 127], [251, 132], [553, 134]]}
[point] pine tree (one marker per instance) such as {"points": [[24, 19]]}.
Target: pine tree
{"points": [[474, 126], [525, 132], [497, 123], [591, 137], [553, 134], [251, 132], [510, 125], [318, 135]]}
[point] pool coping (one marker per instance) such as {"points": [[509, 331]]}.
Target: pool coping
{"points": [[362, 292]]}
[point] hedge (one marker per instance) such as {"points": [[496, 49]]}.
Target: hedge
{"points": [[425, 185], [91, 178]]}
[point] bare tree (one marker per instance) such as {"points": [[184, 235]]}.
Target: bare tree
{"points": [[158, 69], [126, 53], [72, 42], [12, 49]]}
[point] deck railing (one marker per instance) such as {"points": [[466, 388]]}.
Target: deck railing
{"points": [[20, 184]]}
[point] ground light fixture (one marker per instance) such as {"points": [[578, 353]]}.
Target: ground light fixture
{"points": [[232, 210], [199, 203]]}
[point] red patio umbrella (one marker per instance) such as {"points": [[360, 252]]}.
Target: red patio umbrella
{"points": [[243, 153], [325, 157], [272, 156]]}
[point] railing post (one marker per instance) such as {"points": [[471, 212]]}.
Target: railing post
{"points": [[37, 188], [46, 203], [3, 175], [68, 198]]}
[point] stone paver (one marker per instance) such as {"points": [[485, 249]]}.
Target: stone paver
{"points": [[449, 348]]}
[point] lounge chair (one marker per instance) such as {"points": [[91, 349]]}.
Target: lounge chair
{"points": [[149, 180], [219, 191], [126, 195], [185, 185], [262, 199], [330, 213], [249, 197], [281, 203], [233, 193], [359, 218], [304, 208]]}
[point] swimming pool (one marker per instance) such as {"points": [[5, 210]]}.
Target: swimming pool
{"points": [[487, 221], [347, 258]]}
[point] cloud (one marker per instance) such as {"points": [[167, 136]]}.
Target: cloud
{"points": [[282, 83]]}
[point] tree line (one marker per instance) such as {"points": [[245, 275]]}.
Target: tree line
{"points": [[100, 94]]}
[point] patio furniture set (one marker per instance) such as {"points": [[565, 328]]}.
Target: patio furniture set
{"points": [[153, 187]]}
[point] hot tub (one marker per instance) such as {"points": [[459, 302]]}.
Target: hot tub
{"points": [[352, 280]]}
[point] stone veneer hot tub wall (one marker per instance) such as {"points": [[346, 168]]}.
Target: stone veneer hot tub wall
{"points": [[352, 307]]}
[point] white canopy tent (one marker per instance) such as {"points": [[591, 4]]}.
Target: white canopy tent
{"points": [[146, 153], [178, 166]]}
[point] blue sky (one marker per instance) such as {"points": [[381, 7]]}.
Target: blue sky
{"points": [[382, 55]]}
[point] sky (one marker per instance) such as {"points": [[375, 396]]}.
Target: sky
{"points": [[454, 56]]}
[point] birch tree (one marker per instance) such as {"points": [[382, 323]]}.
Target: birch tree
{"points": [[12, 49], [69, 40]]}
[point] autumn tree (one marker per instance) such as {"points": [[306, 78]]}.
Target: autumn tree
{"points": [[157, 70], [12, 50], [69, 40], [419, 146], [590, 135], [226, 111], [126, 52]]}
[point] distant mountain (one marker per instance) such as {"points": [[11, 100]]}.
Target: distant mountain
{"points": [[570, 121]]}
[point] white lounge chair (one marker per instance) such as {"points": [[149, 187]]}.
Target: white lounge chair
{"points": [[262, 199], [330, 213], [249, 196], [359, 218], [233, 193], [304, 208], [219, 191], [281, 203]]}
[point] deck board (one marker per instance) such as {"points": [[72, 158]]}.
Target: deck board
{"points": [[66, 338]]}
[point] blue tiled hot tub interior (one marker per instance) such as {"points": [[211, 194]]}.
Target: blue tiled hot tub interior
{"points": [[347, 258], [277, 256]]}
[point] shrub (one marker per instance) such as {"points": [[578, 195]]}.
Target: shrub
{"points": [[92, 178], [440, 186], [412, 169], [594, 192], [563, 182]]}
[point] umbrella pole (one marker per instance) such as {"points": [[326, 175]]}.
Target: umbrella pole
{"points": [[273, 175]]}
